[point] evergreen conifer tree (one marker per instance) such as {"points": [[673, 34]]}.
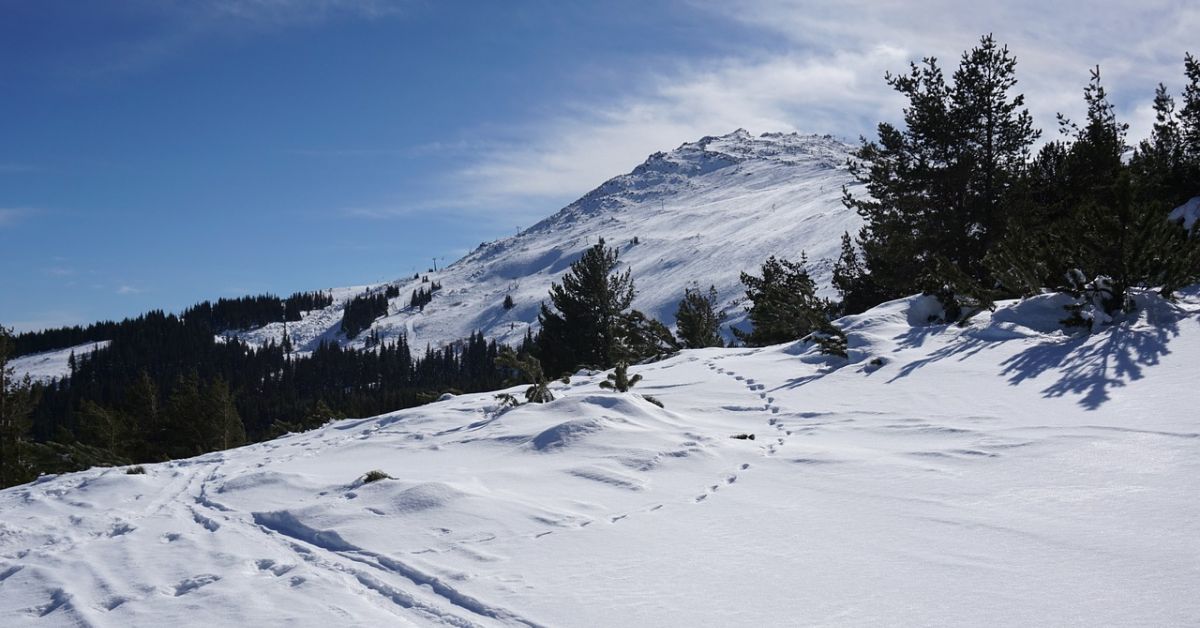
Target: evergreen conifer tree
{"points": [[696, 318], [16, 401], [581, 326], [784, 305], [940, 186], [223, 424]]}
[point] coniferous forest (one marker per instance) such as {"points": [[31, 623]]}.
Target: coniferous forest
{"points": [[960, 202]]}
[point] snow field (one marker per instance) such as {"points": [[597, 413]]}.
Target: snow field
{"points": [[1002, 473]]}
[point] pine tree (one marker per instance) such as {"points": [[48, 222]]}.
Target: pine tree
{"points": [[222, 424], [696, 318], [940, 187], [141, 405], [581, 327], [639, 338], [508, 302], [16, 401], [105, 428], [185, 430], [784, 305], [530, 370], [619, 380]]}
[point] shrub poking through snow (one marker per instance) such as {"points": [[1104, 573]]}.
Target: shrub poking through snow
{"points": [[531, 370], [653, 400], [743, 436], [507, 401], [136, 470], [619, 380], [830, 340], [375, 476]]}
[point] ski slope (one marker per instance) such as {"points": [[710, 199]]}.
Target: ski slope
{"points": [[701, 213], [1005, 473]]}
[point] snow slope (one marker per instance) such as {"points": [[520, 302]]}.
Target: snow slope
{"points": [[48, 366], [1003, 473], [703, 213]]}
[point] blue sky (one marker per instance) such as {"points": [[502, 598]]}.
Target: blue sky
{"points": [[154, 153]]}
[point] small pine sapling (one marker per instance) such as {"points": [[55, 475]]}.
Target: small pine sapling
{"points": [[531, 370], [619, 379], [507, 401]]}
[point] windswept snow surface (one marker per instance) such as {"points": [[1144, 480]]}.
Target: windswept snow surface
{"points": [[1004, 473], [703, 213]]}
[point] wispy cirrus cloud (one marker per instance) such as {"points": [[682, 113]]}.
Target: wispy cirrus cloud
{"points": [[12, 215], [168, 28], [827, 77]]}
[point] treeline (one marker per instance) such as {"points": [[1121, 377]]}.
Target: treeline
{"points": [[423, 296], [255, 311], [222, 315], [363, 309], [165, 388], [959, 205], [60, 338]]}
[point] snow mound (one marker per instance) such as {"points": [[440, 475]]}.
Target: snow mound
{"points": [[1187, 213]]}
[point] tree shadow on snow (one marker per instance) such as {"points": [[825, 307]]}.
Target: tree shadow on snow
{"points": [[1091, 366], [1087, 365]]}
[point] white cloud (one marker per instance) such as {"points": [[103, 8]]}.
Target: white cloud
{"points": [[828, 78], [10, 215], [183, 24], [126, 289], [566, 155]]}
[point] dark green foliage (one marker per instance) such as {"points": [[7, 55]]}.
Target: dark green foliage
{"points": [[1095, 224], [784, 305], [508, 302], [375, 476], [640, 338], [506, 400], [174, 390], [529, 369], [420, 298], [17, 398], [237, 313], [49, 339], [957, 208], [582, 324], [136, 470], [106, 428], [362, 310], [697, 320], [941, 185], [852, 281], [300, 302], [831, 341], [653, 400], [619, 380]]}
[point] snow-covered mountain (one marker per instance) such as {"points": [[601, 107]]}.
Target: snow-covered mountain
{"points": [[1002, 473], [701, 213]]}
